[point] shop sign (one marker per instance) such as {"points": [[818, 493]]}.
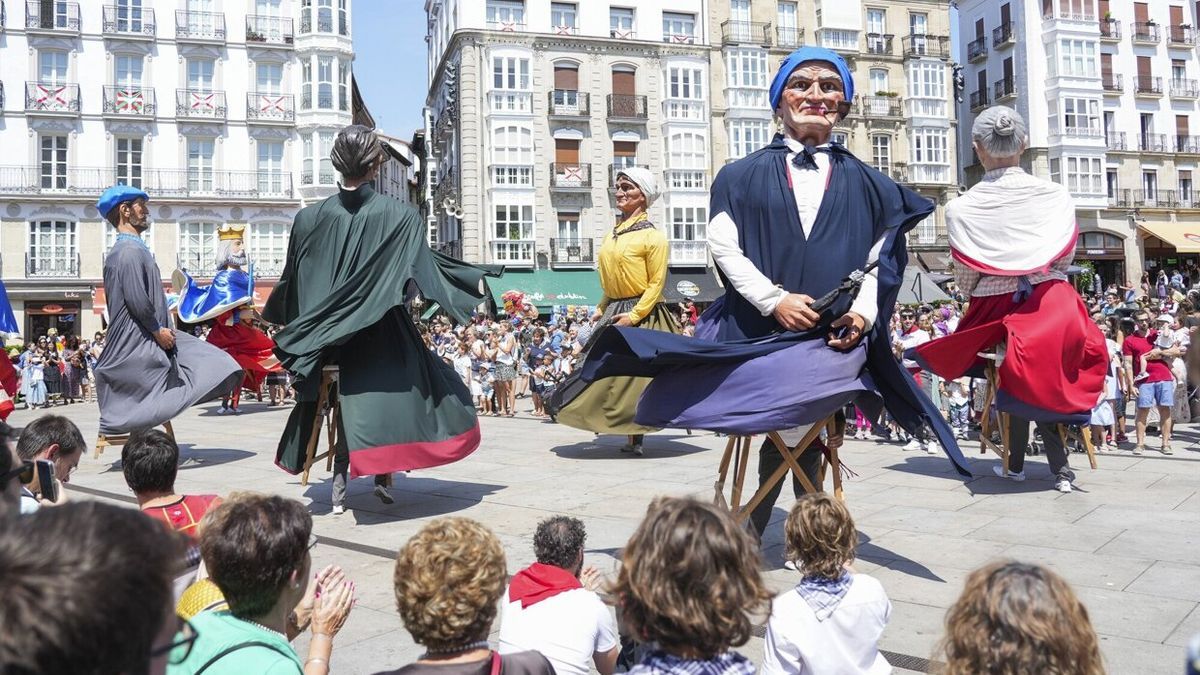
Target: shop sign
{"points": [[52, 309], [1094, 251], [687, 289]]}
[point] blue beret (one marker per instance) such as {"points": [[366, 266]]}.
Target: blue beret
{"points": [[117, 195], [810, 54]]}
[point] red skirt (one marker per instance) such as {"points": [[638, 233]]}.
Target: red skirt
{"points": [[1055, 359]]}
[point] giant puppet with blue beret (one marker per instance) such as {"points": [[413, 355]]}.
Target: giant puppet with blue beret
{"points": [[788, 223], [148, 373]]}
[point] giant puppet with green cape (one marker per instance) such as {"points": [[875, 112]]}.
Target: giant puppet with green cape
{"points": [[351, 260]]}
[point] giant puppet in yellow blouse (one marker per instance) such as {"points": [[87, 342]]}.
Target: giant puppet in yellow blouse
{"points": [[633, 271]]}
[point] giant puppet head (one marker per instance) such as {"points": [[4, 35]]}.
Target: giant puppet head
{"points": [[811, 92]]}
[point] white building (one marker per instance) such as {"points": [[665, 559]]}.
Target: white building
{"points": [[1109, 89], [536, 104], [399, 175], [223, 110]]}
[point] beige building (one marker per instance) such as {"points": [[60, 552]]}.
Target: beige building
{"points": [[902, 120]]}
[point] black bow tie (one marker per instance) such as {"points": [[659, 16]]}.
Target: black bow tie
{"points": [[805, 159]]}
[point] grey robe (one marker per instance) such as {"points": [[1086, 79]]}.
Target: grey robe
{"points": [[139, 385]]}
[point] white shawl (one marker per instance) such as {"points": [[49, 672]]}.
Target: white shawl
{"points": [[1011, 224]]}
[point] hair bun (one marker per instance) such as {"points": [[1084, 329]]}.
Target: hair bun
{"points": [[1005, 126]]}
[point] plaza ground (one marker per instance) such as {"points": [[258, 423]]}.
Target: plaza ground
{"points": [[1126, 539]]}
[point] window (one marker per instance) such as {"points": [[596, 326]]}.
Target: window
{"points": [[789, 26], [927, 88], [1085, 175], [129, 161], [564, 17], [268, 78], [918, 23], [879, 82], [839, 137], [1185, 187], [305, 84], [53, 248], [930, 156], [688, 223], [510, 72], [53, 162], [739, 11], [129, 16], [343, 18], [685, 82], [200, 165], [200, 74], [344, 86], [197, 246], [620, 22], [746, 136], [327, 175], [927, 230], [52, 67], [1078, 58], [746, 74], [1081, 116], [877, 21], [512, 157], [325, 16], [568, 225], [110, 237], [832, 38], [1056, 170], [881, 153], [306, 176], [687, 151], [325, 82], [1150, 184], [513, 222], [679, 27], [1112, 183], [506, 15], [270, 167], [128, 73], [306, 16], [268, 244]]}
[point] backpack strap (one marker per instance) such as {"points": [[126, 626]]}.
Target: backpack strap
{"points": [[496, 663], [229, 650]]}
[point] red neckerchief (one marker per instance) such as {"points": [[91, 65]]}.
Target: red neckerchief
{"points": [[912, 330], [538, 582]]}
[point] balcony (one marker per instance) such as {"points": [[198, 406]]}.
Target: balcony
{"points": [[198, 104], [684, 110], [129, 22], [929, 174], [269, 31], [1113, 83], [1004, 90], [566, 177], [880, 44], [1146, 33], [631, 107], [683, 180], [199, 26], [62, 267], [511, 175], [1115, 140], [614, 169], [51, 98], [1181, 36], [59, 18], [618, 34], [1003, 36], [507, 26], [1070, 131], [270, 108], [569, 103], [129, 101], [1148, 87], [1120, 198], [567, 252], [1110, 30], [1152, 142], [679, 38], [745, 33], [1159, 199], [977, 49], [880, 106], [325, 178], [926, 46], [1187, 145], [1185, 89], [979, 100], [687, 252], [897, 171], [510, 102], [566, 29], [160, 182], [787, 37], [513, 251]]}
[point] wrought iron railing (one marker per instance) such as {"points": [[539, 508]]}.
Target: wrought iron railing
{"points": [[16, 180], [52, 266], [53, 16], [745, 32], [1115, 140], [51, 97], [1145, 32], [565, 251], [1151, 86], [1188, 145], [568, 103], [1181, 35], [879, 44], [1152, 142], [129, 21], [937, 46], [1113, 83], [568, 176], [200, 104], [977, 48], [270, 107], [880, 106], [206, 26], [1004, 88], [1110, 29], [132, 100], [1184, 88], [627, 106], [979, 99], [1003, 35], [269, 30], [789, 36]]}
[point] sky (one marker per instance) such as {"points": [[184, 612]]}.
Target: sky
{"points": [[389, 62]]}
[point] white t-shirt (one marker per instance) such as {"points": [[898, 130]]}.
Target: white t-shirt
{"points": [[568, 629], [844, 644], [908, 341]]}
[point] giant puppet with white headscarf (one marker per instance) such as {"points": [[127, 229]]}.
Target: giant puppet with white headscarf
{"points": [[789, 223], [633, 271]]}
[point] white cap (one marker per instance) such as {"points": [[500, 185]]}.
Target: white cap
{"points": [[1166, 318]]}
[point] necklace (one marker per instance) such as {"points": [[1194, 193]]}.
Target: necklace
{"points": [[482, 644], [269, 630]]}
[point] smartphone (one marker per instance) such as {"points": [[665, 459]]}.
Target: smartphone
{"points": [[45, 473]]}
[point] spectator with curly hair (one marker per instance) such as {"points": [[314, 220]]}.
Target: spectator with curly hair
{"points": [[690, 583], [448, 580], [1014, 618], [552, 606], [257, 551], [832, 620]]}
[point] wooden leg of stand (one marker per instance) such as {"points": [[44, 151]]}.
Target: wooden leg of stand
{"points": [[169, 429], [1087, 445], [101, 443], [314, 436], [722, 472], [335, 412], [835, 466], [761, 493], [790, 459], [743, 458], [1005, 436]]}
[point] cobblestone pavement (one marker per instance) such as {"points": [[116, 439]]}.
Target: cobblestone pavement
{"points": [[1126, 539]]}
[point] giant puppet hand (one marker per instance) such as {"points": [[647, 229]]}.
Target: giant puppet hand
{"points": [[794, 313], [847, 331]]}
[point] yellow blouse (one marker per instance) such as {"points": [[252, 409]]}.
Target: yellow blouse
{"points": [[634, 264]]}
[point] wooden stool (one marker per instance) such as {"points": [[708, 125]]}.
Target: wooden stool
{"points": [[328, 411], [737, 452], [103, 441], [1079, 433]]}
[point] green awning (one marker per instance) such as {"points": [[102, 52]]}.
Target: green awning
{"points": [[550, 288]]}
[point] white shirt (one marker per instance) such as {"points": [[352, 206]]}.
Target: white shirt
{"points": [[844, 644], [908, 341], [568, 629], [808, 187]]}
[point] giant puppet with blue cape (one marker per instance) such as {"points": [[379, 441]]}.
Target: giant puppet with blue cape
{"points": [[744, 373]]}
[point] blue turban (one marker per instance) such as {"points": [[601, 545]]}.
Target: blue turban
{"points": [[117, 195], [810, 54]]}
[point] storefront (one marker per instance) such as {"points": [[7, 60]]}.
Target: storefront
{"points": [[1106, 254], [60, 316], [1170, 247], [551, 290], [696, 284]]}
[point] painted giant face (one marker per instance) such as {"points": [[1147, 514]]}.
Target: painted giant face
{"points": [[809, 105]]}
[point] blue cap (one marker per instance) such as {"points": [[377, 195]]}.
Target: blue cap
{"points": [[117, 195], [810, 54]]}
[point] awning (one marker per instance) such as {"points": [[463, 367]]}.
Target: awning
{"points": [[1185, 237], [934, 261], [697, 285], [550, 288]]}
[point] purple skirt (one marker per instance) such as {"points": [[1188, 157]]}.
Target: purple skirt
{"points": [[801, 384]]}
